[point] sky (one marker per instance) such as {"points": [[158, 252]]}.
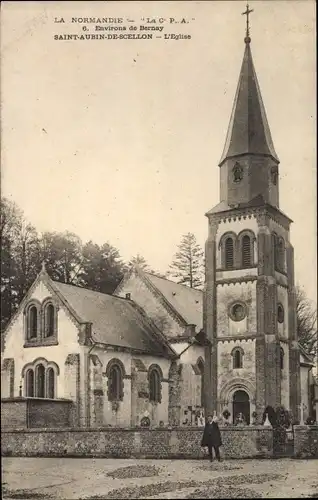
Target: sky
{"points": [[119, 140]]}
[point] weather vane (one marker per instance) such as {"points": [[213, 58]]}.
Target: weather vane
{"points": [[247, 13]]}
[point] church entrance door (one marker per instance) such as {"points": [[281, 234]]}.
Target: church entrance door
{"points": [[241, 404]]}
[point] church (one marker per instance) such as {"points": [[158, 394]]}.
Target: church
{"points": [[159, 353]]}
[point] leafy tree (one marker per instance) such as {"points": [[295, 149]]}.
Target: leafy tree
{"points": [[62, 253], [26, 253], [188, 263], [10, 218], [306, 322], [102, 267], [11, 221], [7, 276]]}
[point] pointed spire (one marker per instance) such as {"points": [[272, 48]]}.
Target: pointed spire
{"points": [[248, 131], [43, 270]]}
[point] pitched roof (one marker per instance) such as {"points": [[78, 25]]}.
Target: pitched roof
{"points": [[188, 302], [248, 130], [115, 321]]}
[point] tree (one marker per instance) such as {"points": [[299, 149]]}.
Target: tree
{"points": [[140, 261], [62, 253], [10, 217], [188, 263], [306, 322], [26, 254], [102, 267], [7, 276], [11, 221]]}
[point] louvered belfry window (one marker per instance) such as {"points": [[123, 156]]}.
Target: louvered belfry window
{"points": [[281, 356], [229, 253], [246, 251], [281, 255]]}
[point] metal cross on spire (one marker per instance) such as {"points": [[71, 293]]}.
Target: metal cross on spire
{"points": [[247, 13]]}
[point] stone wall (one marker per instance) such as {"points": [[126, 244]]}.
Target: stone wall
{"points": [[22, 413], [243, 442], [49, 413], [14, 413], [306, 441]]}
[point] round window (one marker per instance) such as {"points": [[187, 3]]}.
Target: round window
{"points": [[280, 313], [237, 312]]}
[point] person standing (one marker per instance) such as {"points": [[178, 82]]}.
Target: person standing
{"points": [[212, 437]]}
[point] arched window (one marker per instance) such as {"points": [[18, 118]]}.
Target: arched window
{"points": [[40, 322], [274, 249], [281, 358], [49, 319], [154, 386], [114, 383], [40, 378], [280, 313], [237, 354], [50, 383], [281, 254], [229, 253], [115, 373], [29, 384], [33, 322], [40, 381], [246, 251]]}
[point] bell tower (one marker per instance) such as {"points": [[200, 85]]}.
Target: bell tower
{"points": [[252, 359]]}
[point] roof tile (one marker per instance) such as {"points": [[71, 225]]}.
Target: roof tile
{"points": [[115, 321]]}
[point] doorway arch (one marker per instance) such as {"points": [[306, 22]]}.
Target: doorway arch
{"points": [[241, 404]]}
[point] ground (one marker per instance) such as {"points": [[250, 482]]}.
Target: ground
{"points": [[98, 479]]}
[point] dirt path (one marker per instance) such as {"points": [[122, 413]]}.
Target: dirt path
{"points": [[98, 479]]}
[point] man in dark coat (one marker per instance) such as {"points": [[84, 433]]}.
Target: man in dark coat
{"points": [[212, 437]]}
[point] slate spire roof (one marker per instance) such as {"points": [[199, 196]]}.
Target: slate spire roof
{"points": [[248, 131]]}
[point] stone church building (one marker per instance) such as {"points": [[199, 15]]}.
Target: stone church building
{"points": [[161, 351]]}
